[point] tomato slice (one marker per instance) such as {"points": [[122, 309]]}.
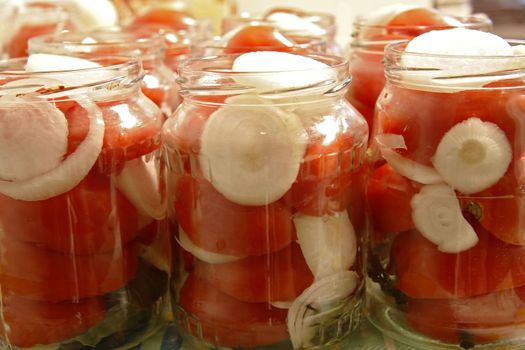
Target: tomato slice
{"points": [[128, 134], [226, 321], [258, 38], [39, 274], [91, 218], [426, 273], [217, 225], [499, 209], [389, 195], [469, 321], [17, 46], [29, 322], [174, 19], [280, 276]]}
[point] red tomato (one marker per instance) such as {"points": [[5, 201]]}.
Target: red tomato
{"points": [[280, 276], [217, 225], [32, 323], [473, 321], [17, 46], [226, 321], [424, 272], [127, 135], [91, 218], [176, 20], [157, 95], [389, 195], [40, 274], [258, 38], [327, 175]]}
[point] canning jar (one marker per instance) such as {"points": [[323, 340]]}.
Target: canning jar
{"points": [[368, 44], [84, 258], [158, 82], [265, 193], [446, 254]]}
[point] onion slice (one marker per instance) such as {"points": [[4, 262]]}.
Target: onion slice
{"points": [[33, 136], [70, 172], [328, 243], [473, 155], [251, 151], [319, 303], [437, 215], [139, 182], [408, 168], [201, 254]]}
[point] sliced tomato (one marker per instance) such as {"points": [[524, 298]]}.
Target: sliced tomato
{"points": [[40, 274], [17, 46], [217, 225], [327, 175], [388, 196], [174, 19], [29, 323], [469, 321], [280, 276], [423, 272], [499, 209], [130, 131], [91, 218], [258, 38], [225, 321]]}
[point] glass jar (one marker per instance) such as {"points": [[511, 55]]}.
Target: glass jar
{"points": [[265, 193], [22, 20], [446, 255], [158, 83], [367, 53], [299, 26], [84, 258]]}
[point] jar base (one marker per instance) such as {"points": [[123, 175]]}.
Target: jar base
{"points": [[382, 312]]}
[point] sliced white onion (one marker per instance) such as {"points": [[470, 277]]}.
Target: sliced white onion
{"points": [[86, 69], [33, 137], [70, 172], [328, 243], [407, 167], [323, 297], [285, 305], [201, 254], [473, 155], [93, 14], [139, 182], [437, 215], [251, 151], [440, 68], [272, 71]]}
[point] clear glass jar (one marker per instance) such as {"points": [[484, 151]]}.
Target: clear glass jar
{"points": [[158, 83], [306, 27], [267, 242], [446, 255], [22, 20], [367, 53], [85, 256]]}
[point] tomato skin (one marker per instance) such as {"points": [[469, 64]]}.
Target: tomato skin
{"points": [[17, 46], [34, 273], [131, 130], [176, 20], [217, 225], [90, 218], [280, 276], [478, 319], [388, 197], [38, 322], [226, 321], [258, 38], [423, 272]]}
